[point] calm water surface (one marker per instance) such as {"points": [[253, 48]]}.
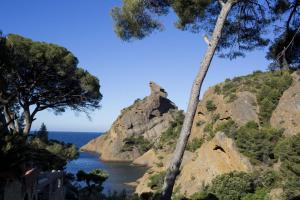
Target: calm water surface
{"points": [[119, 173]]}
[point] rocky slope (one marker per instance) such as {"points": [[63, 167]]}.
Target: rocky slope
{"points": [[218, 154], [265, 99], [215, 157], [137, 127]]}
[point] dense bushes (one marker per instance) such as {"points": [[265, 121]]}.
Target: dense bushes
{"points": [[257, 143], [232, 186], [288, 151], [139, 142], [260, 194], [253, 141]]}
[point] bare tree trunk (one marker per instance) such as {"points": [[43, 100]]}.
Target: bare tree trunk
{"points": [[28, 121], [17, 125], [8, 119], [173, 170]]}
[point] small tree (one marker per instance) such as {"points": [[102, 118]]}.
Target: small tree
{"points": [[42, 133], [94, 181], [235, 26], [38, 76]]}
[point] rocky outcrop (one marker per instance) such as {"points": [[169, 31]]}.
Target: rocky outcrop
{"points": [[215, 157], [157, 161], [242, 110], [146, 118], [287, 113], [218, 156]]}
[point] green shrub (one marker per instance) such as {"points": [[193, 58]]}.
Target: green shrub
{"points": [[66, 151], [267, 179], [209, 129], [257, 143], [210, 106], [215, 118], [288, 151], [229, 128], [194, 144], [139, 142], [240, 186], [156, 181], [204, 195], [169, 137], [232, 186], [217, 89], [291, 188], [260, 194]]}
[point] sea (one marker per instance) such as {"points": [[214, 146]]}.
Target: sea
{"points": [[120, 173]]}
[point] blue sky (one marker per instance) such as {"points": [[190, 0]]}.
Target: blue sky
{"points": [[171, 58]]}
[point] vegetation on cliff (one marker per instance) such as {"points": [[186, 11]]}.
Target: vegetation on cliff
{"points": [[268, 88], [139, 142], [169, 137], [265, 146]]}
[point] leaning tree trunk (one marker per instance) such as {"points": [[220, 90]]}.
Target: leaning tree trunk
{"points": [[173, 170]]}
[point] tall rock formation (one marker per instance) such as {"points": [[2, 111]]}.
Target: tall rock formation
{"points": [[287, 113], [137, 127]]}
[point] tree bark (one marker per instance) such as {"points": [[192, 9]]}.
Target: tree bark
{"points": [[175, 163], [8, 119], [28, 121]]}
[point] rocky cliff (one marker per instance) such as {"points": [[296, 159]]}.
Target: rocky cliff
{"points": [[213, 158], [226, 107], [137, 127], [236, 128]]}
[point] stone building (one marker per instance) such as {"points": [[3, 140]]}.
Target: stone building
{"points": [[32, 185]]}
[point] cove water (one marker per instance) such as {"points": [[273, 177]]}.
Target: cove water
{"points": [[119, 172]]}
